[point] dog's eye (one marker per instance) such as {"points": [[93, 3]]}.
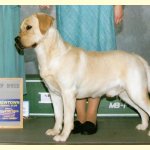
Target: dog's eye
{"points": [[28, 27]]}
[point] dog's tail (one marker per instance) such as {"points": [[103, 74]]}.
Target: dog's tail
{"points": [[147, 68]]}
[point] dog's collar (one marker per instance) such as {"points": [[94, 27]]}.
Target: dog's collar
{"points": [[34, 45]]}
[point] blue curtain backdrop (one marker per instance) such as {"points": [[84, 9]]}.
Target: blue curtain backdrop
{"points": [[11, 62]]}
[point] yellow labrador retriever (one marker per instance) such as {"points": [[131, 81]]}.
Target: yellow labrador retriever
{"points": [[72, 73]]}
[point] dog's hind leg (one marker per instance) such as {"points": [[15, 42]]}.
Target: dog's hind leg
{"points": [[69, 109], [58, 112], [141, 98], [144, 103], [144, 116]]}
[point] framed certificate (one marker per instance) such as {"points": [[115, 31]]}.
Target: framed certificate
{"points": [[11, 103]]}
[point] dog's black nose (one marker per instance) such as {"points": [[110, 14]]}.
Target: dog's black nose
{"points": [[18, 43], [17, 39]]}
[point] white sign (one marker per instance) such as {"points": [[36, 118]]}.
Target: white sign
{"points": [[11, 103], [45, 97]]}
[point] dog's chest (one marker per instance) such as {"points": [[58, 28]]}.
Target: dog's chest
{"points": [[51, 84]]}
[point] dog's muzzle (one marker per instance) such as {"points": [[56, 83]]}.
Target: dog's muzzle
{"points": [[18, 43]]}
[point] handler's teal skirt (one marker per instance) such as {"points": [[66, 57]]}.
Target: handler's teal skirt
{"points": [[88, 27], [11, 63]]}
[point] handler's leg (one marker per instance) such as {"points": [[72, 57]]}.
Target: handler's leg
{"points": [[93, 104], [90, 126], [81, 110]]}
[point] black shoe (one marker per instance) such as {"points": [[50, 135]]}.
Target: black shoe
{"points": [[77, 127], [89, 128]]}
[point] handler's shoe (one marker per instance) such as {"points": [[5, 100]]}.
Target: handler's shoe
{"points": [[78, 127], [89, 128]]}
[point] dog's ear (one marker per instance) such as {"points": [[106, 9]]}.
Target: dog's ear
{"points": [[45, 22]]}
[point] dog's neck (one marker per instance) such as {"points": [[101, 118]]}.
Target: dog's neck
{"points": [[52, 41], [50, 47]]}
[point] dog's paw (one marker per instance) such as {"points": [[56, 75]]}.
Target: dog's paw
{"points": [[52, 132], [141, 127], [148, 133], [60, 138]]}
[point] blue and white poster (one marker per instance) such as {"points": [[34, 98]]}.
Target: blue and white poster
{"points": [[11, 103], [9, 109]]}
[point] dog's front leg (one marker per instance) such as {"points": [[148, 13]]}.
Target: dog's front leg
{"points": [[69, 108], [58, 112]]}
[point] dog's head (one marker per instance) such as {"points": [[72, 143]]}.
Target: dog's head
{"points": [[32, 30]]}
